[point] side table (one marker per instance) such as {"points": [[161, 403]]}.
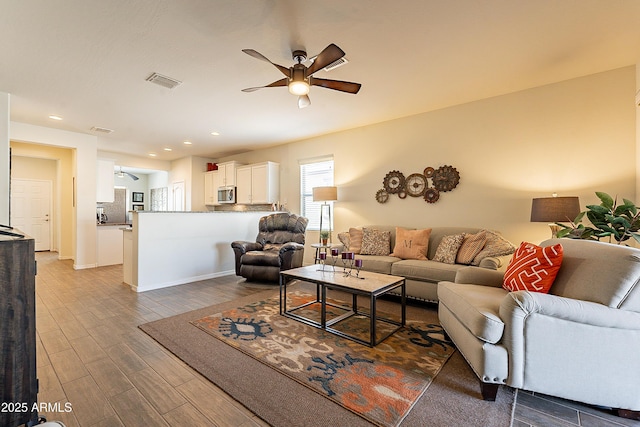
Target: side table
{"points": [[319, 247]]}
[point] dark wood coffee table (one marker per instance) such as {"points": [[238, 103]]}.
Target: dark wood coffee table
{"points": [[370, 285]]}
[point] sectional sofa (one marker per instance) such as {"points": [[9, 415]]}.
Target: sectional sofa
{"points": [[400, 255]]}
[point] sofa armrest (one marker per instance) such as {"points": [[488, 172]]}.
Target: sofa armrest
{"points": [[573, 310], [480, 276], [291, 255], [245, 247], [491, 263], [240, 248], [570, 348]]}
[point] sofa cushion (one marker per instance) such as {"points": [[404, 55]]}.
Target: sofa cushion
{"points": [[599, 272], [375, 242], [269, 257], [426, 271], [375, 263], [533, 268], [448, 248], [477, 307], [411, 244], [471, 246]]}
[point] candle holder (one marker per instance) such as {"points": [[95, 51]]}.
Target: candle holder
{"points": [[347, 261], [322, 256], [334, 258], [358, 265]]}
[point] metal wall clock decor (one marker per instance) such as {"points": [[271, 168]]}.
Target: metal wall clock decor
{"points": [[443, 179]]}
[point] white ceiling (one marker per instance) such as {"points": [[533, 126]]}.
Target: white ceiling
{"points": [[87, 61]]}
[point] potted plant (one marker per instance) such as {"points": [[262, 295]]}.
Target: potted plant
{"points": [[324, 236], [609, 219]]}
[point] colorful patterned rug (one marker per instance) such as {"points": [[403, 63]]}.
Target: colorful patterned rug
{"points": [[380, 384]]}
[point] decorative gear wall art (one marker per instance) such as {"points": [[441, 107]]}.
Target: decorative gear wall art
{"points": [[443, 179], [393, 182]]}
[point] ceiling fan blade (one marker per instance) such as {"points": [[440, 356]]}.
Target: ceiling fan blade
{"points": [[348, 87], [303, 101], [330, 54], [282, 82], [132, 176], [261, 57]]}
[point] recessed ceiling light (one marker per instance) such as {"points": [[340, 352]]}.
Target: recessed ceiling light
{"points": [[168, 149], [188, 143], [214, 133], [152, 154], [54, 117]]}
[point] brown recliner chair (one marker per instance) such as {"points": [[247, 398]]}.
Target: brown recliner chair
{"points": [[279, 246]]}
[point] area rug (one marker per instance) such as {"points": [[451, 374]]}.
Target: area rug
{"points": [[379, 383], [453, 398]]}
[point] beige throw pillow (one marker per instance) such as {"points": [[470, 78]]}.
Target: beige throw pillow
{"points": [[375, 242], [448, 248], [411, 244], [496, 246], [355, 240], [471, 246]]}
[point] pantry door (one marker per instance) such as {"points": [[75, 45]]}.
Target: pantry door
{"points": [[31, 210], [178, 196]]}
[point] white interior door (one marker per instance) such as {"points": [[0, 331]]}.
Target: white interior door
{"points": [[178, 196], [31, 210]]}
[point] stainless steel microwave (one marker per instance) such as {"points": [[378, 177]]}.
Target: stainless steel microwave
{"points": [[227, 194]]}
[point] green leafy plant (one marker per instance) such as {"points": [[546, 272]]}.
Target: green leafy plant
{"points": [[619, 222], [324, 234]]}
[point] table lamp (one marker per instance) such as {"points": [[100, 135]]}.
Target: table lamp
{"points": [[554, 209]]}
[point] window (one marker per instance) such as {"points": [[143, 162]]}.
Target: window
{"points": [[314, 173]]}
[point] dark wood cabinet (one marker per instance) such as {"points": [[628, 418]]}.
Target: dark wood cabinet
{"points": [[18, 381]]}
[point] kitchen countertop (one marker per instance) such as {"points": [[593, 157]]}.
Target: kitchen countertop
{"points": [[113, 224]]}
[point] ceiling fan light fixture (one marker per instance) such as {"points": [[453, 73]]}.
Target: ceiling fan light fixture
{"points": [[299, 88]]}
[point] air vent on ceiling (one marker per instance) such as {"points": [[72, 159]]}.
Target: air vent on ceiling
{"points": [[335, 64], [101, 130], [163, 81]]}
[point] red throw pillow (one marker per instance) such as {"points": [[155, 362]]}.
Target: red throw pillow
{"points": [[533, 268]]}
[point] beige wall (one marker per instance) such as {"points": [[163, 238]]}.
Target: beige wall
{"points": [[33, 161], [574, 138], [83, 179]]}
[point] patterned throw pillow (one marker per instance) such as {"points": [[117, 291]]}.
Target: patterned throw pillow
{"points": [[448, 248], [471, 246], [344, 239], [411, 244], [533, 268], [375, 242], [496, 246], [355, 240]]}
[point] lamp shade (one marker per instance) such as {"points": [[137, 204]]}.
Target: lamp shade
{"points": [[554, 209], [325, 194]]}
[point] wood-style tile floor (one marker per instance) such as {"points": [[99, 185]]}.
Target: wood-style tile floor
{"points": [[92, 355]]}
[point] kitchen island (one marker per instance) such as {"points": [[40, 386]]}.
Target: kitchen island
{"points": [[172, 248]]}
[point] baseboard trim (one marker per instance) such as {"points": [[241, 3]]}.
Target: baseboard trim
{"points": [[182, 281]]}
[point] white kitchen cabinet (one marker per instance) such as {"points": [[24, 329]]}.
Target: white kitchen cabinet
{"points": [[258, 183], [110, 245], [211, 183], [227, 173], [105, 181]]}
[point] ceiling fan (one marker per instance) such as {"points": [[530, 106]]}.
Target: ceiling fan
{"points": [[122, 174], [299, 77]]}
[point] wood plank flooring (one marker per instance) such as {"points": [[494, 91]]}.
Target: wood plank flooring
{"points": [[91, 354]]}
